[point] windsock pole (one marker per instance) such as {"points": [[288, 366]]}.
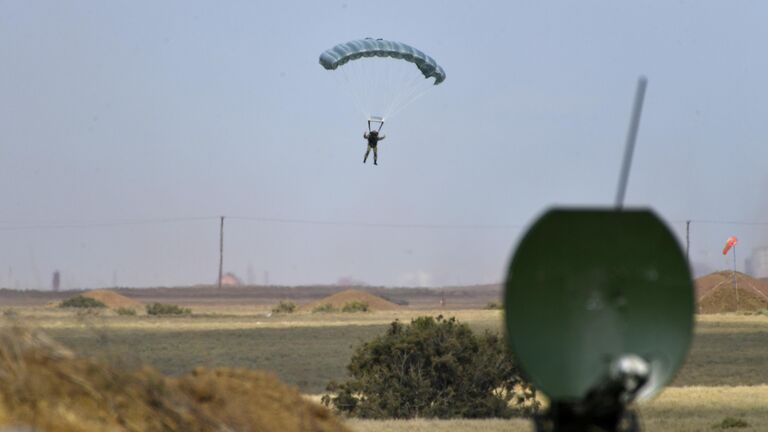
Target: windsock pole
{"points": [[735, 282]]}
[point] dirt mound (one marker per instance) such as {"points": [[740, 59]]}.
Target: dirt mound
{"points": [[716, 293], [338, 300], [112, 299], [45, 387]]}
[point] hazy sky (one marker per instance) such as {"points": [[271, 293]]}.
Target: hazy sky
{"points": [[142, 111]]}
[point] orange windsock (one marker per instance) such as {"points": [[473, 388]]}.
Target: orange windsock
{"points": [[731, 242]]}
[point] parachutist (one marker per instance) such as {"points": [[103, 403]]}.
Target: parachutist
{"points": [[373, 138]]}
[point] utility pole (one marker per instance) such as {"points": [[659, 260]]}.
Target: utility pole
{"points": [[221, 251]]}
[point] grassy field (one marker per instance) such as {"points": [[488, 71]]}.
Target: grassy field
{"points": [[725, 374], [686, 409]]}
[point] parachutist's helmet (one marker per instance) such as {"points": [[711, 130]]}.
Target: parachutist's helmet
{"points": [[374, 133]]}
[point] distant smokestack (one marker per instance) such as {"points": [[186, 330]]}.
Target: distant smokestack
{"points": [[56, 282]]}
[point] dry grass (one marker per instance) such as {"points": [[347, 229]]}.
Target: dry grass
{"points": [[685, 409], [688, 409], [423, 425], [46, 387], [234, 318]]}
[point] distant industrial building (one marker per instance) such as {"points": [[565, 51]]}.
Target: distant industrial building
{"points": [[757, 265], [230, 279]]}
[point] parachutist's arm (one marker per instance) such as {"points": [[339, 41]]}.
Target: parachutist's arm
{"points": [[381, 137], [365, 135]]}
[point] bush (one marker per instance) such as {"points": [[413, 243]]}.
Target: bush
{"points": [[166, 309], [124, 311], [494, 305], [324, 308], [81, 302], [284, 307], [355, 306], [731, 423], [434, 367]]}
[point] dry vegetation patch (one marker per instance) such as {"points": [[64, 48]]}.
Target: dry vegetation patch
{"points": [[45, 386]]}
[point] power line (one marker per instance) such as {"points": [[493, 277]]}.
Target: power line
{"points": [[726, 222], [95, 224], [294, 221], [375, 224], [325, 222]]}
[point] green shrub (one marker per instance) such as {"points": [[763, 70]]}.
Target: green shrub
{"points": [[284, 307], [81, 302], [731, 423], [494, 305], [166, 309], [324, 308], [124, 311], [355, 306], [434, 367]]}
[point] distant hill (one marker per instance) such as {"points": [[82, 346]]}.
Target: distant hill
{"points": [[456, 297], [340, 299], [716, 293]]}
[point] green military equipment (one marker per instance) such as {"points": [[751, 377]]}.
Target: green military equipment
{"points": [[599, 311]]}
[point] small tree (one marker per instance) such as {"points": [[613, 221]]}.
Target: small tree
{"points": [[434, 367]]}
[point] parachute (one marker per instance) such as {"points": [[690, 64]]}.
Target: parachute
{"points": [[382, 76], [731, 242]]}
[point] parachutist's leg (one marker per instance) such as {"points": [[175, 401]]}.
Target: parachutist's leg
{"points": [[366, 154], [375, 156]]}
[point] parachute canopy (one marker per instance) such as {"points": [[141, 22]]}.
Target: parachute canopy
{"points": [[731, 242], [353, 50], [380, 74]]}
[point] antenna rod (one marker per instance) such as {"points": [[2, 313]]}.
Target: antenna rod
{"points": [[629, 149]]}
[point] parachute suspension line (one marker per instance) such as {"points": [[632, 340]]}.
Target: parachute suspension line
{"points": [[351, 91], [402, 75], [410, 101], [410, 93], [412, 86]]}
